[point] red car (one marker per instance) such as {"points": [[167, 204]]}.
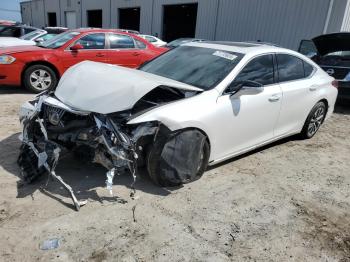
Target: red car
{"points": [[40, 67]]}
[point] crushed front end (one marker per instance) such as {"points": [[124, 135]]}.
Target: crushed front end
{"points": [[51, 128]]}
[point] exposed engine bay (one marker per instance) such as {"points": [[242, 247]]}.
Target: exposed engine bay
{"points": [[51, 128]]}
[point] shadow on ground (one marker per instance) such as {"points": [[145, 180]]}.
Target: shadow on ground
{"points": [[84, 178], [7, 90]]}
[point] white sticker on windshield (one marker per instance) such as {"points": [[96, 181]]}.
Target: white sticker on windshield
{"points": [[225, 55]]}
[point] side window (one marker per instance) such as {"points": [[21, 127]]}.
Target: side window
{"points": [[308, 69], [260, 70], [92, 41], [140, 45], [11, 31], [289, 68], [150, 39], [121, 41], [28, 30]]}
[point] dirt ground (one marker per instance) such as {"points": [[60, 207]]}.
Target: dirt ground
{"points": [[286, 202]]}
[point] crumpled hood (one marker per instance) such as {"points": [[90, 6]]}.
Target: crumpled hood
{"points": [[13, 41], [102, 88], [330, 43]]}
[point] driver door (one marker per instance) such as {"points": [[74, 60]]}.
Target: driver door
{"points": [[93, 50], [248, 119]]}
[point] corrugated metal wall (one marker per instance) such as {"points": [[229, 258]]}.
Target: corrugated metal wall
{"points": [[206, 16], [284, 22], [146, 8], [38, 13], [346, 21], [104, 5], [67, 6], [52, 6], [26, 12], [337, 16]]}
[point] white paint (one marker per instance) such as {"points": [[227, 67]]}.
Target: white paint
{"points": [[103, 88], [13, 41]]}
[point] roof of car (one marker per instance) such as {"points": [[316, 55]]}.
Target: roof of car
{"points": [[240, 47], [87, 30]]}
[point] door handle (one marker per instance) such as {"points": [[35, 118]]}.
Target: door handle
{"points": [[313, 88], [274, 98], [135, 54], [100, 55]]}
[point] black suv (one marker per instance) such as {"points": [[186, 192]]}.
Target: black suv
{"points": [[332, 53]]}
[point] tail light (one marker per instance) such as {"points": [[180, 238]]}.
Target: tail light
{"points": [[335, 83]]}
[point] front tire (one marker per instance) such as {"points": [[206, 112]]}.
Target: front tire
{"points": [[314, 120], [38, 78], [178, 159]]}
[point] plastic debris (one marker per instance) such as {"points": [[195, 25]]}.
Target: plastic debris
{"points": [[109, 182], [50, 244]]}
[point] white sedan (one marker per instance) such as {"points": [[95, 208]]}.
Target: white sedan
{"points": [[154, 40], [198, 104]]}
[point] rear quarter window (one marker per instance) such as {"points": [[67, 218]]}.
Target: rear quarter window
{"points": [[289, 68], [308, 69]]}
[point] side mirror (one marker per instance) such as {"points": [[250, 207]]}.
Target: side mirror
{"points": [[76, 47], [247, 87], [39, 40]]}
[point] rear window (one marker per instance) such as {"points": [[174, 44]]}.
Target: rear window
{"points": [[121, 41]]}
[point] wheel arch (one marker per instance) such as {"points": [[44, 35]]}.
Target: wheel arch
{"points": [[40, 62]]}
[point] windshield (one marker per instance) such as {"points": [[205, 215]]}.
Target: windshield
{"points": [[31, 35], [179, 41], [59, 40], [201, 67]]}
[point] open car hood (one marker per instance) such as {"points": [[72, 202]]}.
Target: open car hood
{"points": [[330, 43], [102, 88]]}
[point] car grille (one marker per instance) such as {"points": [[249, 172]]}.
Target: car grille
{"points": [[52, 114]]}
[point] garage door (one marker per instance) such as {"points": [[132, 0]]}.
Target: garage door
{"points": [[71, 20]]}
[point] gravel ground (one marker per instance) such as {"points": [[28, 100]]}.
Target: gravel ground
{"points": [[286, 202]]}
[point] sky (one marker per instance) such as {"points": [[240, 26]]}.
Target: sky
{"points": [[10, 10]]}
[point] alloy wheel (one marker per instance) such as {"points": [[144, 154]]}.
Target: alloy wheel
{"points": [[40, 79], [316, 121]]}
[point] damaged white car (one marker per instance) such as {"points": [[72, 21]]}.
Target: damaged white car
{"points": [[195, 105]]}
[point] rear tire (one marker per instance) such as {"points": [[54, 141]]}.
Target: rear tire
{"points": [[38, 78], [314, 120], [175, 160]]}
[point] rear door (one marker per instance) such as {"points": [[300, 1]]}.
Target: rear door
{"points": [[123, 51], [299, 90], [93, 50]]}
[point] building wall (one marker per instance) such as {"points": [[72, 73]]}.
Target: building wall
{"points": [[70, 5], [337, 16], [346, 20], [38, 11], [104, 5], [206, 16], [284, 22], [146, 8], [26, 12], [52, 6]]}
